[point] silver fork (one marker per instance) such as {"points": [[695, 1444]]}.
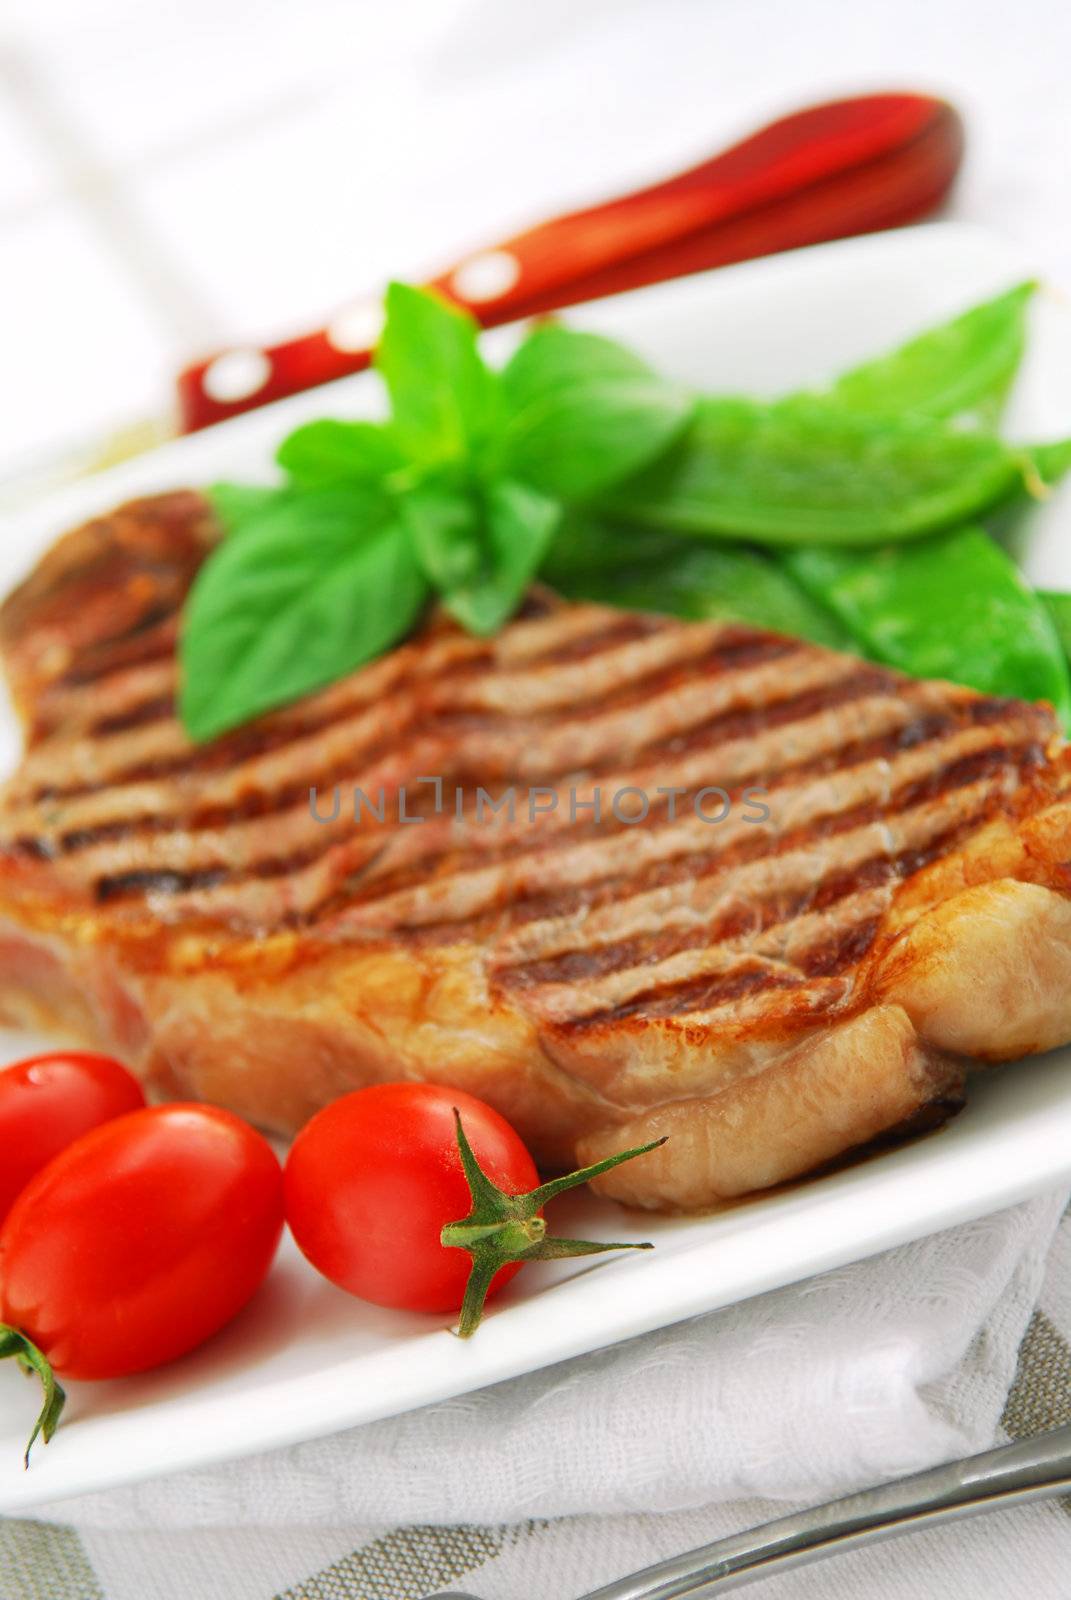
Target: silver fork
{"points": [[1011, 1475]]}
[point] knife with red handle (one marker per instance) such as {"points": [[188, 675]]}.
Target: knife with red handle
{"points": [[847, 167]]}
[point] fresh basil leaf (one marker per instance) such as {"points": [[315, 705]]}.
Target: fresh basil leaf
{"points": [[966, 365], [480, 548], [320, 455], [445, 399], [321, 583], [595, 559], [520, 524], [445, 528], [582, 412], [803, 471], [953, 607], [238, 504]]}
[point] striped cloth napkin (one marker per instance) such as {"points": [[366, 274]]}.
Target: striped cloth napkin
{"points": [[551, 1484]]}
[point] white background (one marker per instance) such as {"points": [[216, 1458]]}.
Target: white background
{"points": [[178, 175]]}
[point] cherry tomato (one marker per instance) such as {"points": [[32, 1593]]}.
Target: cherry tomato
{"points": [[373, 1179], [46, 1102], [141, 1239]]}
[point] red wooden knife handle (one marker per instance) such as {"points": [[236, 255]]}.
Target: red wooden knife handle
{"points": [[849, 167]]}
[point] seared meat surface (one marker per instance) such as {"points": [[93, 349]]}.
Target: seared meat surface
{"points": [[771, 990]]}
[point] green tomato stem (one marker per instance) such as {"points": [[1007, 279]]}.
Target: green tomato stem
{"points": [[503, 1227], [31, 1360], [505, 1236]]}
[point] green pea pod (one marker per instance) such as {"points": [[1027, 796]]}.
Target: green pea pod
{"points": [[1048, 463], [953, 607], [1059, 608], [965, 366], [804, 471], [595, 559]]}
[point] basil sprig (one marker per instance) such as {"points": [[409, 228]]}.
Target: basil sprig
{"points": [[852, 516], [457, 496]]}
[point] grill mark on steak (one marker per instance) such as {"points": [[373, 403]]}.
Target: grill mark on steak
{"points": [[690, 994], [564, 902], [734, 657], [136, 716], [151, 640], [509, 741], [174, 878], [919, 732], [148, 639], [836, 955], [128, 885], [753, 916], [157, 707], [624, 629], [823, 958], [273, 733], [712, 733], [559, 901], [740, 723]]}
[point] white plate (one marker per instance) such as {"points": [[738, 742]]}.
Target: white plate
{"points": [[304, 1359]]}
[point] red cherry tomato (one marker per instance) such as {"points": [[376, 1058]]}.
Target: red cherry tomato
{"points": [[374, 1178], [46, 1102], [141, 1239]]}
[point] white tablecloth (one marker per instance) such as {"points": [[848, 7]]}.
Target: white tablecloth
{"points": [[543, 1487]]}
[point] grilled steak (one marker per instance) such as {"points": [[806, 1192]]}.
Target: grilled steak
{"points": [[772, 991]]}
